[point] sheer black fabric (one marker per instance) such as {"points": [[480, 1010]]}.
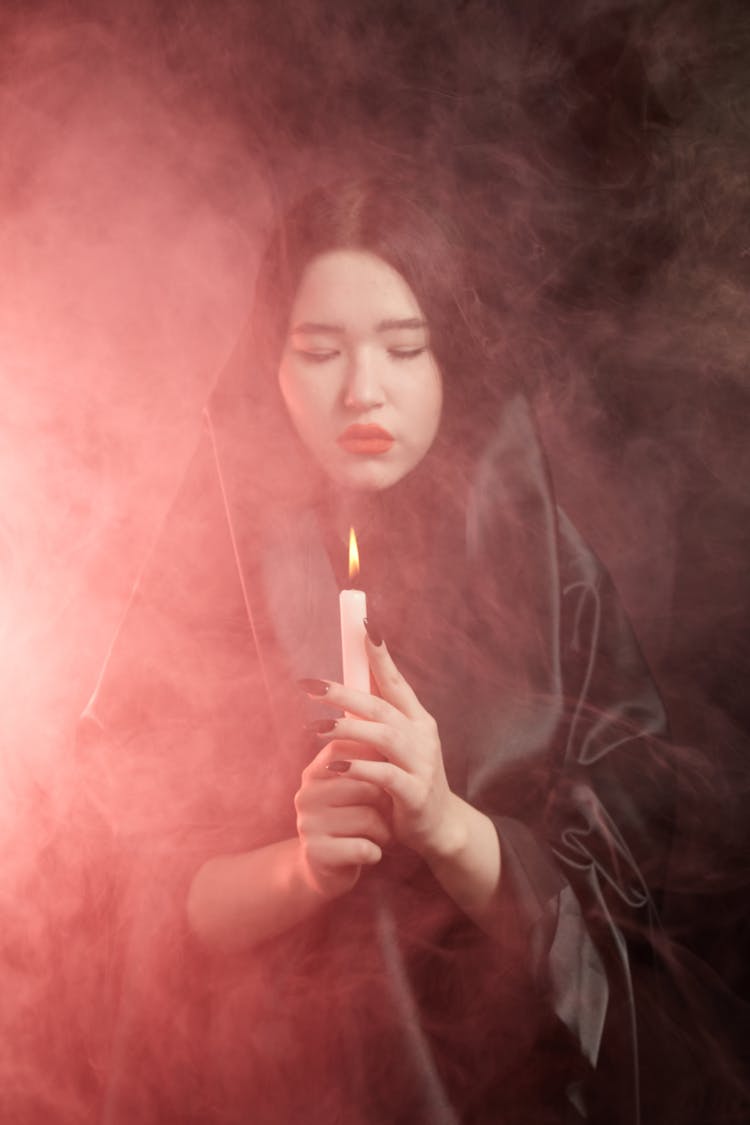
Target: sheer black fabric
{"points": [[390, 1005]]}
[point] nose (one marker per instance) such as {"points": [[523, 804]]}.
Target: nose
{"points": [[363, 389]]}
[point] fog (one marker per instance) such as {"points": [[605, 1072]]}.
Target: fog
{"points": [[146, 149]]}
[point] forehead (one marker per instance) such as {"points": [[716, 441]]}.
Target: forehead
{"points": [[352, 287]]}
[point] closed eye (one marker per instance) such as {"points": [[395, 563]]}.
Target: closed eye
{"points": [[316, 355], [406, 353]]}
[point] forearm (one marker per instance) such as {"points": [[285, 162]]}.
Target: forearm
{"points": [[466, 860], [237, 901]]}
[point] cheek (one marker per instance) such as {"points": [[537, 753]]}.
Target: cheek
{"points": [[438, 413], [305, 400], [432, 408], [292, 391]]}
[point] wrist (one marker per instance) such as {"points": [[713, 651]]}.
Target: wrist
{"points": [[451, 836], [465, 859]]}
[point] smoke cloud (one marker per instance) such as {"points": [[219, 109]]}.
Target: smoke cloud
{"points": [[146, 149]]}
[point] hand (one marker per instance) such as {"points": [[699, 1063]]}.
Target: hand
{"points": [[424, 811], [340, 823]]}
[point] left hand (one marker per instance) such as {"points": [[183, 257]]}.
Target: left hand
{"points": [[412, 774]]}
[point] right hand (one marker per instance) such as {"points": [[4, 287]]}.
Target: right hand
{"points": [[341, 822]]}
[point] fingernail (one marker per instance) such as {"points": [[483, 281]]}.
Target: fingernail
{"points": [[338, 766], [321, 726], [373, 633], [314, 687]]}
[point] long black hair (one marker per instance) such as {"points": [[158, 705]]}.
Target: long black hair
{"points": [[418, 230]]}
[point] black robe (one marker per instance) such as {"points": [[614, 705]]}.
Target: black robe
{"points": [[389, 1005]]}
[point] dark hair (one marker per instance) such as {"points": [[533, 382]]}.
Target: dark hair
{"points": [[411, 230], [469, 481]]}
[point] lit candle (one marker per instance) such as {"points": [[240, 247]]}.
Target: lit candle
{"points": [[353, 610]]}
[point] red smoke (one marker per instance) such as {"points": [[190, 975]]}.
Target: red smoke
{"points": [[141, 157]]}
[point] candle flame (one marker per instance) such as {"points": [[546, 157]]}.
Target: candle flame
{"points": [[353, 555]]}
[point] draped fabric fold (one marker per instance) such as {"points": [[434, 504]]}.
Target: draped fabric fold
{"points": [[550, 725]]}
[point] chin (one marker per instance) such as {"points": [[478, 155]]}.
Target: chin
{"points": [[367, 477]]}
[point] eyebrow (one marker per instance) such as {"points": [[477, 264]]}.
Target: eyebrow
{"points": [[410, 322], [309, 327]]}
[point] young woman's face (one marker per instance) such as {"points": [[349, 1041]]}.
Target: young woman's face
{"points": [[357, 375]]}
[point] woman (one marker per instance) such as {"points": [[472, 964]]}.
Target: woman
{"points": [[433, 924]]}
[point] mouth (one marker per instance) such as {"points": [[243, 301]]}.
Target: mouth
{"points": [[365, 440]]}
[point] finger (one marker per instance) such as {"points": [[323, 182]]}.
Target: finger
{"points": [[392, 686], [335, 792], [330, 747], [354, 702], [342, 851], [392, 743], [396, 782], [396, 695], [353, 821], [364, 823]]}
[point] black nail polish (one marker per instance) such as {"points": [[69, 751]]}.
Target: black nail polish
{"points": [[314, 687], [373, 633], [321, 726], [338, 766]]}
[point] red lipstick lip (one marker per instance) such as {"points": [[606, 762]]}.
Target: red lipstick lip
{"points": [[365, 439]]}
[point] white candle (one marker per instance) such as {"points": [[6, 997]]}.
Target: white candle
{"points": [[353, 610]]}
